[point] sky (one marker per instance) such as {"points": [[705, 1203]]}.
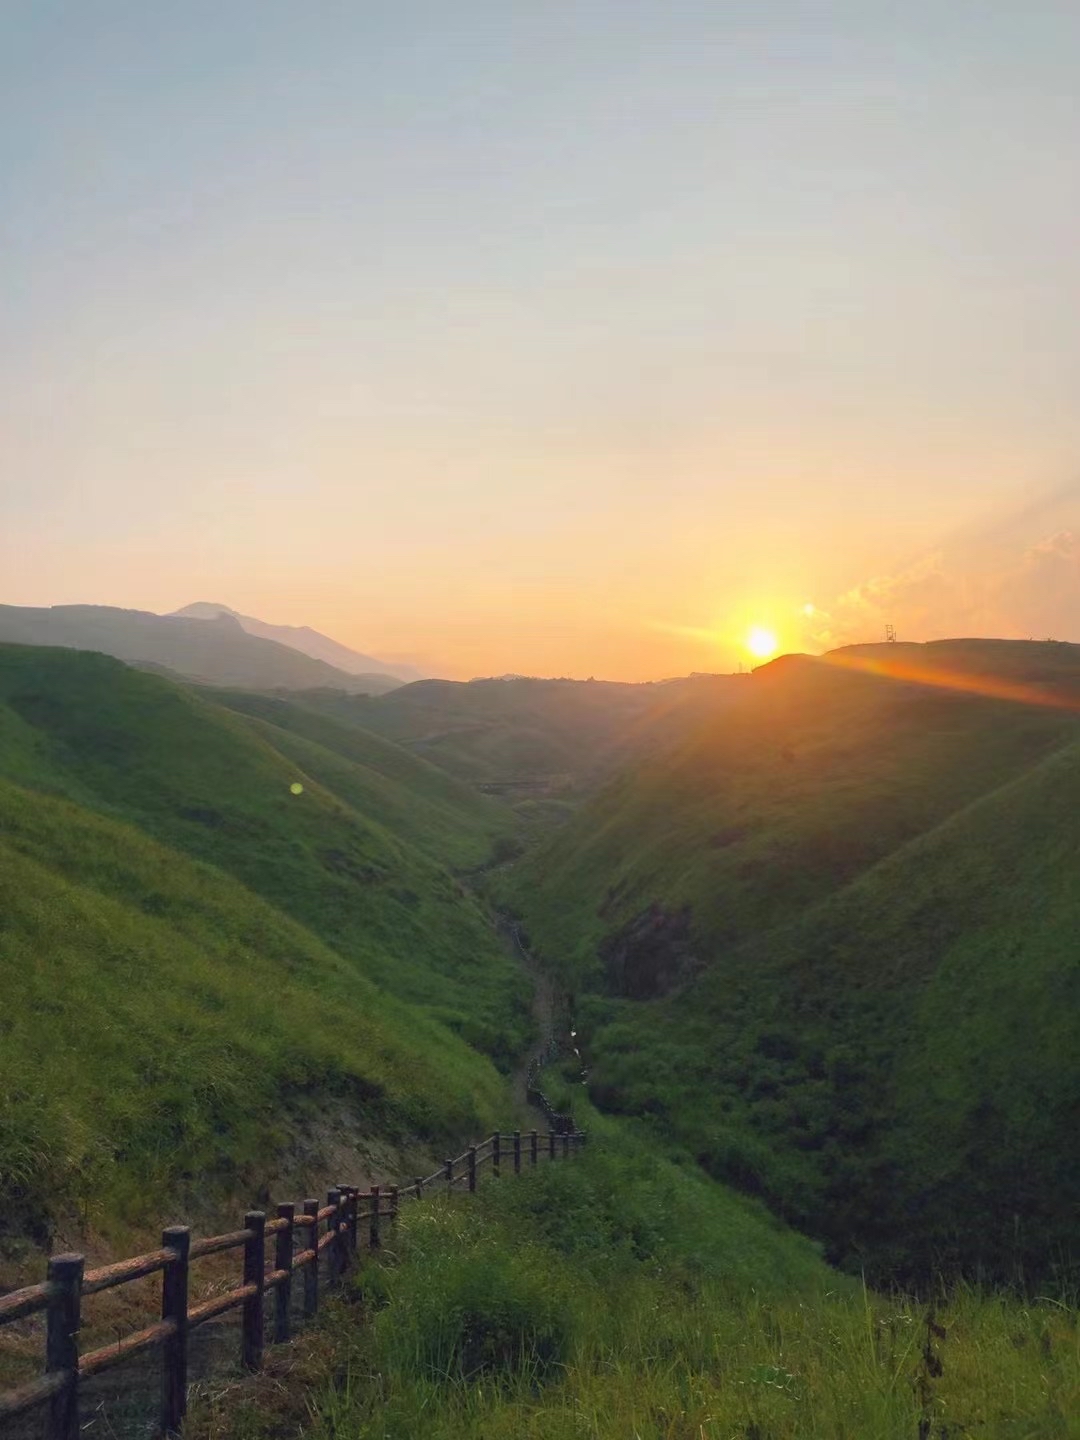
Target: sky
{"points": [[563, 337]]}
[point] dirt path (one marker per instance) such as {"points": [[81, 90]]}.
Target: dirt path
{"points": [[543, 1012]]}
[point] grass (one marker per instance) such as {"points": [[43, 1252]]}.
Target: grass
{"points": [[211, 784], [854, 994], [199, 965], [794, 962], [443, 817], [623, 1295], [167, 1034]]}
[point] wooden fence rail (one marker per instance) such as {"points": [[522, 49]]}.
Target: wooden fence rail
{"points": [[68, 1282]]}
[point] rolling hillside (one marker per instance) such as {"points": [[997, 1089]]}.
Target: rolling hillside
{"points": [[810, 943], [213, 652], [502, 731], [186, 942]]}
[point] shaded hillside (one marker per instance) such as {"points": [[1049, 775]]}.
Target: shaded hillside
{"points": [[311, 642], [505, 730], [805, 942], [217, 652]]}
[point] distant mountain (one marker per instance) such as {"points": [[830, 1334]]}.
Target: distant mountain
{"points": [[217, 652], [303, 638]]}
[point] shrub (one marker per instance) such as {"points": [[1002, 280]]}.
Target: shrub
{"points": [[473, 1311]]}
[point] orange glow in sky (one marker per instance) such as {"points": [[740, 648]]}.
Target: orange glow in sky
{"points": [[571, 343]]}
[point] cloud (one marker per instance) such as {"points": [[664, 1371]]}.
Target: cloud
{"points": [[914, 598], [1041, 595], [1028, 591]]}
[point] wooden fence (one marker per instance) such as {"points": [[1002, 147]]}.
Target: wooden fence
{"points": [[562, 1123], [299, 1236]]}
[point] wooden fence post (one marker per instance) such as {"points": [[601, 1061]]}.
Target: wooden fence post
{"points": [[251, 1337], [565, 1145], [334, 1257], [343, 1229], [62, 1343], [448, 1167], [517, 1152], [496, 1143], [311, 1270], [352, 1205], [551, 1144], [174, 1307], [373, 1236], [283, 1258], [419, 1187], [533, 1138], [472, 1168]]}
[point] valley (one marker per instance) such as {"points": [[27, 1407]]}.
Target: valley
{"points": [[812, 925]]}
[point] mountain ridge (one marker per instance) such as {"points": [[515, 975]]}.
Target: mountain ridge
{"points": [[304, 639], [220, 652]]}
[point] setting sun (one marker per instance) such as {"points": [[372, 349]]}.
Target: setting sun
{"points": [[761, 642]]}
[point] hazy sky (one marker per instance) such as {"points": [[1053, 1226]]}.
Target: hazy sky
{"points": [[569, 336]]}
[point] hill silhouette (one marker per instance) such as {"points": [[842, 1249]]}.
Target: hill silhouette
{"points": [[219, 652]]}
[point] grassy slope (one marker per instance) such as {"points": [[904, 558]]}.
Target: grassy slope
{"points": [[419, 802], [211, 784], [156, 1012], [623, 1295], [865, 976], [808, 778], [184, 941]]}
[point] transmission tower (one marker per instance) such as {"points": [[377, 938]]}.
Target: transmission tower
{"points": [[890, 634]]}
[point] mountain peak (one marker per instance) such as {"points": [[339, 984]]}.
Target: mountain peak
{"points": [[302, 638]]}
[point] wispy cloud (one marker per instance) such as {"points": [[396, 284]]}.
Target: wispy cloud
{"points": [[1013, 574]]}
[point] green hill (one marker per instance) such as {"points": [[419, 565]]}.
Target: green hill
{"points": [[810, 943], [518, 728], [187, 945], [439, 814]]}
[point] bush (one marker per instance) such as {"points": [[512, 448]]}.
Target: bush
{"points": [[472, 1310]]}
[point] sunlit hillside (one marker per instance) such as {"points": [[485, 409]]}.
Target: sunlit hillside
{"points": [[206, 939], [810, 945]]}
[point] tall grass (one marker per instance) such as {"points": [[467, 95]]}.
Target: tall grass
{"points": [[621, 1296]]}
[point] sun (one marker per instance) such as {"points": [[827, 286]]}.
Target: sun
{"points": [[761, 642]]}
